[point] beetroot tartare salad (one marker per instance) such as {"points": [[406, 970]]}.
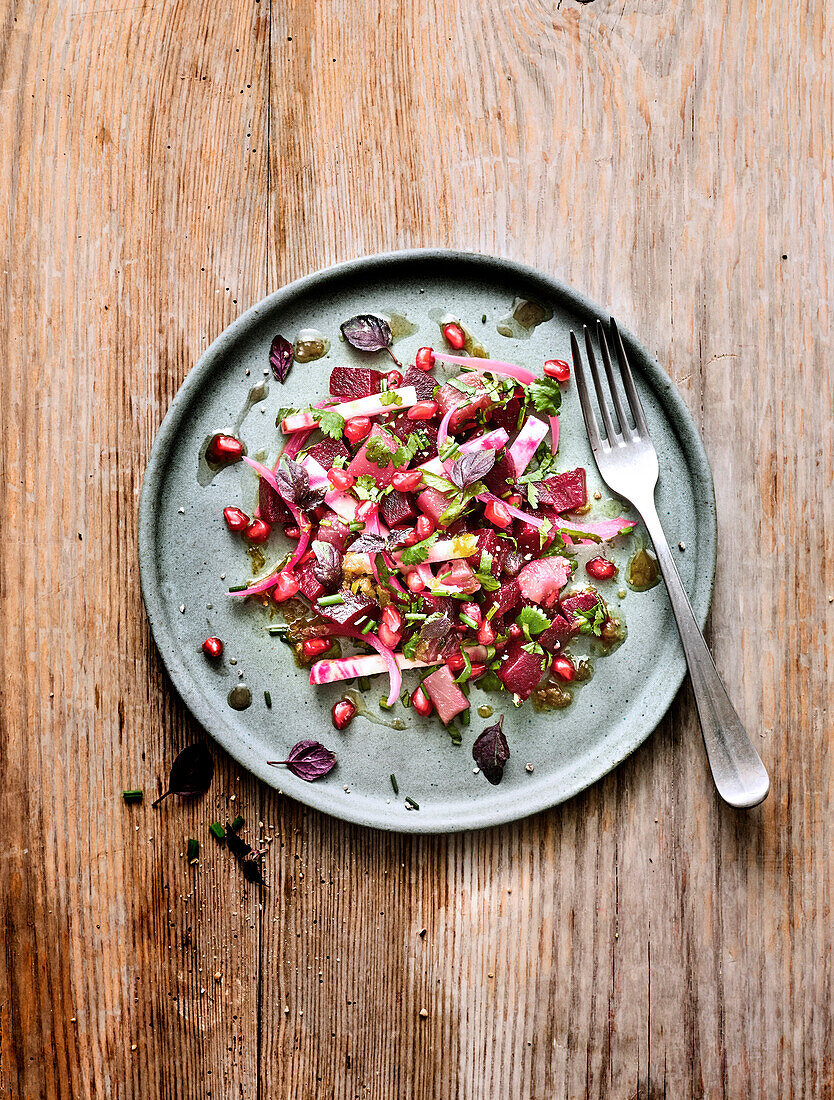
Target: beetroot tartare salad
{"points": [[432, 530]]}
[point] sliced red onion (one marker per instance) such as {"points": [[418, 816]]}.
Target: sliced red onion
{"points": [[554, 431], [521, 374], [443, 430]]}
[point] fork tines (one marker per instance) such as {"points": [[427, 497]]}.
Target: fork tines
{"points": [[621, 432]]}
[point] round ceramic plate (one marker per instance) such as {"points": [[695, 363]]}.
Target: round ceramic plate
{"points": [[189, 559]]}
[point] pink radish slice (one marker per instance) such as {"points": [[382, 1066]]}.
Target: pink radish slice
{"points": [[526, 443]]}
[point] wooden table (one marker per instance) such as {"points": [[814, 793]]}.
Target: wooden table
{"points": [[165, 165]]}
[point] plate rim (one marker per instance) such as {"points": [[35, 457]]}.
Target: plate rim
{"points": [[488, 815]]}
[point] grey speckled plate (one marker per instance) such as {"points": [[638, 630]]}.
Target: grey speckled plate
{"points": [[184, 548]]}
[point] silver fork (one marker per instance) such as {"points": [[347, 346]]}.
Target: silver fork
{"points": [[628, 464]]}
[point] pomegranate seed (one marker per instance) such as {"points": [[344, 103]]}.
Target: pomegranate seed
{"points": [[224, 449], [292, 532], [286, 586], [421, 702], [514, 630], [486, 634], [455, 663], [394, 379], [423, 410], [558, 369], [601, 569], [257, 532], [213, 647], [497, 513], [388, 637], [514, 500], [424, 359], [563, 667], [414, 582], [392, 618], [406, 481], [343, 714], [357, 428], [341, 479], [235, 519], [454, 335], [424, 528], [477, 670], [314, 647]]}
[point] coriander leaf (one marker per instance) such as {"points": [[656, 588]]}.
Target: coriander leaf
{"points": [[491, 752], [328, 567], [419, 552], [532, 621], [533, 648], [389, 397], [546, 395], [330, 422], [471, 467], [532, 495], [592, 620], [487, 581], [367, 332], [280, 357], [191, 773], [365, 487], [378, 453]]}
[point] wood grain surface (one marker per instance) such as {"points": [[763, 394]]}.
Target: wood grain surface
{"points": [[165, 164]]}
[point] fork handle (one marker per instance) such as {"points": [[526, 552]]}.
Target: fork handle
{"points": [[739, 774]]}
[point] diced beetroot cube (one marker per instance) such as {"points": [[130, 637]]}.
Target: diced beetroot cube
{"points": [[326, 451], [513, 564], [501, 478], [397, 508], [448, 699], [565, 492], [307, 580], [505, 416], [466, 405], [520, 671], [361, 464], [335, 532], [271, 508], [558, 632], [402, 428], [348, 383], [490, 543], [423, 382], [527, 537], [447, 604], [433, 503], [541, 580], [583, 601], [355, 605], [506, 597]]}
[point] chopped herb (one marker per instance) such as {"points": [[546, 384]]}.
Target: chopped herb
{"points": [[238, 823], [268, 699], [367, 628], [419, 552], [378, 453], [132, 796], [217, 830], [454, 733], [592, 620], [285, 413], [364, 683], [239, 588], [395, 784], [466, 672], [405, 699], [411, 804], [415, 616], [470, 622], [192, 850], [356, 525], [390, 397], [532, 621], [434, 481], [278, 628], [384, 704], [330, 422], [331, 601], [546, 396]]}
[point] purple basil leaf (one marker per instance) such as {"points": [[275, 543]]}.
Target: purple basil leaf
{"points": [[294, 485], [191, 772], [471, 467], [491, 752], [308, 760], [328, 567], [436, 626], [368, 333], [280, 357], [367, 544], [250, 858]]}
